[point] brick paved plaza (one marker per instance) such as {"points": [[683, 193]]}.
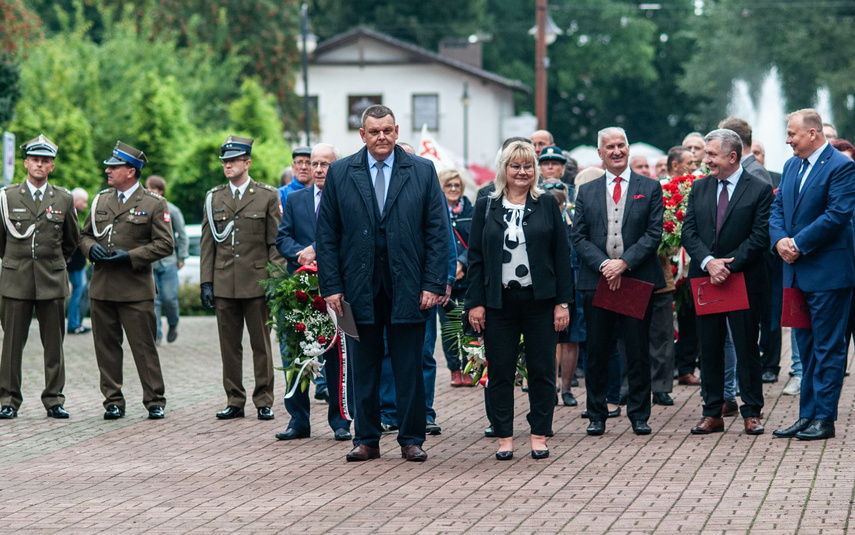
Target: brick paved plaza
{"points": [[191, 473]]}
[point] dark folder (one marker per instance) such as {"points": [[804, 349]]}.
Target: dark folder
{"points": [[795, 312], [630, 299], [712, 298]]}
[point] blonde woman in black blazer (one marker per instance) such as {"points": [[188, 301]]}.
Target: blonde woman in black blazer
{"points": [[519, 284]]}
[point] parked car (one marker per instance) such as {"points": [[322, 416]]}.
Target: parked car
{"points": [[190, 274]]}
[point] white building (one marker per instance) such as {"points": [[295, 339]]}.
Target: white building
{"points": [[361, 67]]}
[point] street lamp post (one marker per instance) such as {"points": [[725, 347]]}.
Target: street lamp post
{"points": [[545, 32], [306, 44], [465, 100]]}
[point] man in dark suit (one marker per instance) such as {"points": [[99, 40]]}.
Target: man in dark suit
{"points": [[770, 327], [616, 232], [725, 231], [296, 243], [811, 228], [382, 241]]}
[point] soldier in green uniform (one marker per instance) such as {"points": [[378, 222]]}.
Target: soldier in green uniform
{"points": [[39, 233], [239, 229], [128, 229]]}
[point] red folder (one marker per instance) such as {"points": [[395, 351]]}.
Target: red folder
{"points": [[795, 312], [630, 299], [712, 298]]}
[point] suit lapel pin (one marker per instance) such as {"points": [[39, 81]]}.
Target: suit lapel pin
{"points": [[251, 190]]}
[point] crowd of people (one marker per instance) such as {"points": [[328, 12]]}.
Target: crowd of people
{"points": [[570, 262]]}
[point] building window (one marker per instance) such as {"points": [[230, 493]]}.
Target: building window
{"points": [[356, 104], [426, 111]]}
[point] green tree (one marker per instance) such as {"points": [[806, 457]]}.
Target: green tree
{"points": [[743, 39], [198, 171], [421, 23], [10, 91], [159, 122]]}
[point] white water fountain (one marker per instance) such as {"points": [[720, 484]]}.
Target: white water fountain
{"points": [[766, 116]]}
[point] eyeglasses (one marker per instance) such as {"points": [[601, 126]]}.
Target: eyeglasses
{"points": [[453, 186], [516, 168], [321, 165], [555, 185], [300, 163]]}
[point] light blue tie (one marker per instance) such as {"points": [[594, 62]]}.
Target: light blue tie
{"points": [[380, 186]]}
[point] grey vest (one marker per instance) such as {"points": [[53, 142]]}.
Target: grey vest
{"points": [[614, 214]]}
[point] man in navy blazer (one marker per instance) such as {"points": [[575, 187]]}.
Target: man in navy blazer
{"points": [[614, 247], [382, 244], [811, 228], [726, 231], [295, 241]]}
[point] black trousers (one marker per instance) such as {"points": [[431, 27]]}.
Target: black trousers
{"points": [[405, 347], [522, 315], [770, 316], [712, 330], [603, 326]]}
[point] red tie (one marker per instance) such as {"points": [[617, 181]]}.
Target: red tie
{"points": [[616, 194]]}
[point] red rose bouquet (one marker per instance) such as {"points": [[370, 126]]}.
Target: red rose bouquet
{"points": [[675, 196], [299, 315]]}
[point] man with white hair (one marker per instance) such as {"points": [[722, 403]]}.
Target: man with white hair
{"points": [[616, 233]]}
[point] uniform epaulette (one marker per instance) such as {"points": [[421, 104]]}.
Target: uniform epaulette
{"points": [[153, 194], [266, 186], [104, 191], [217, 188], [62, 189]]}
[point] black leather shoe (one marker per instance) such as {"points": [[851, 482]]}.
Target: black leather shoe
{"points": [[800, 425], [611, 414], [343, 434], [155, 412], [432, 428], [640, 427], [172, 334], [265, 413], [292, 434], [504, 455], [57, 411], [113, 412], [230, 412], [8, 412], [413, 453], [769, 377], [596, 428], [662, 398], [574, 382], [539, 454], [489, 433], [322, 394], [817, 430], [388, 428], [569, 399]]}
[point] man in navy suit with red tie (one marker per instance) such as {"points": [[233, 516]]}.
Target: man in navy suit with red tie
{"points": [[295, 241], [811, 228], [726, 231]]}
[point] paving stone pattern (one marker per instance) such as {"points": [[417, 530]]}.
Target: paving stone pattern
{"points": [[191, 473]]}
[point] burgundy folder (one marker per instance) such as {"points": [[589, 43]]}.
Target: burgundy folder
{"points": [[630, 299], [716, 298], [795, 312]]}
